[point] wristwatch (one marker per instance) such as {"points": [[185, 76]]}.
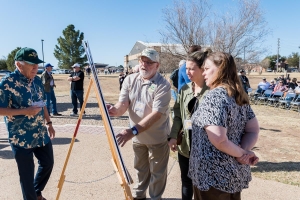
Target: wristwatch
{"points": [[134, 131]]}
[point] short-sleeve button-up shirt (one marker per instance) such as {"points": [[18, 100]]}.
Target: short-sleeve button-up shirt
{"points": [[18, 92]]}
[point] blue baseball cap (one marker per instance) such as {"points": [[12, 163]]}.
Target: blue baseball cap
{"points": [[48, 65]]}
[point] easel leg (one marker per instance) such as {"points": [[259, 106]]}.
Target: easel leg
{"points": [[63, 176]]}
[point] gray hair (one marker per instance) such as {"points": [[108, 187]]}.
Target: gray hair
{"points": [[21, 62]]}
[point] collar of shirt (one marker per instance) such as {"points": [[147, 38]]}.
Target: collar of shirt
{"points": [[22, 77]]}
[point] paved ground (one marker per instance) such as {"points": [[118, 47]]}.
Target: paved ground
{"points": [[90, 175]]}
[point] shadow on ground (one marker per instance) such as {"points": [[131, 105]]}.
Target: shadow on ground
{"points": [[7, 154], [62, 141], [273, 130], [273, 167]]}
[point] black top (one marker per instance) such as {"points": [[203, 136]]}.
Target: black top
{"points": [[77, 85]]}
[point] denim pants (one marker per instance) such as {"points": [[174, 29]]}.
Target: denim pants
{"points": [[186, 182], [173, 94], [51, 99], [76, 94], [33, 187]]}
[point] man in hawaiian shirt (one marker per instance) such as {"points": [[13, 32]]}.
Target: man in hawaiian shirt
{"points": [[22, 105]]}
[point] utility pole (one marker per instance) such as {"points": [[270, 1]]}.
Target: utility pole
{"points": [[278, 54], [299, 59], [244, 54], [43, 51]]}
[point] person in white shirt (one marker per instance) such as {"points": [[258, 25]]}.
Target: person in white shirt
{"points": [[264, 85], [297, 89]]}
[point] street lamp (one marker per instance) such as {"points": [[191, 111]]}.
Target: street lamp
{"points": [[43, 51]]}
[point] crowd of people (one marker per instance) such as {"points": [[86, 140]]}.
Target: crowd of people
{"points": [[213, 140], [214, 128], [279, 84]]}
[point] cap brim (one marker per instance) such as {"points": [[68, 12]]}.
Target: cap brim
{"points": [[37, 61]]}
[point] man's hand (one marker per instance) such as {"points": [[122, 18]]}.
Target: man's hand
{"points": [[124, 136], [112, 111], [51, 131], [32, 110], [173, 144]]}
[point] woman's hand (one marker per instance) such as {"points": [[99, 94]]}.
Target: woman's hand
{"points": [[248, 159], [173, 144]]}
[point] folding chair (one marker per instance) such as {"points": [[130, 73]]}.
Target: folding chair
{"points": [[264, 97], [285, 102], [295, 103], [256, 94], [274, 98]]}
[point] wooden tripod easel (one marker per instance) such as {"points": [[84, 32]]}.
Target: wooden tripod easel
{"points": [[117, 161]]}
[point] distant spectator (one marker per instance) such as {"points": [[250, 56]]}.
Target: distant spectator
{"points": [[88, 71], [272, 85], [245, 80], [136, 69], [292, 84], [280, 87], [122, 76], [77, 79], [297, 89], [283, 79], [264, 85], [49, 85], [174, 80], [182, 77]]}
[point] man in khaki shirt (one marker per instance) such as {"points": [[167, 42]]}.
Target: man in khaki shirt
{"points": [[146, 96]]}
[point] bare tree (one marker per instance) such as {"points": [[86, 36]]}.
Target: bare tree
{"points": [[185, 25], [242, 28], [168, 63]]}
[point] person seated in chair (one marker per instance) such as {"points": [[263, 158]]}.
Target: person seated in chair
{"points": [[297, 89], [291, 84], [264, 85], [272, 85], [280, 87]]}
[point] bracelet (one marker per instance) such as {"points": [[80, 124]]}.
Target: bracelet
{"points": [[48, 123]]}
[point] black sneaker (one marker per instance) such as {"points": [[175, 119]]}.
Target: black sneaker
{"points": [[57, 114]]}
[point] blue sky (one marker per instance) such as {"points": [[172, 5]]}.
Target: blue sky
{"points": [[113, 26]]}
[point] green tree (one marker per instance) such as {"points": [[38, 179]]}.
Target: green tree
{"points": [[273, 60], [69, 49], [293, 60], [3, 64], [10, 61]]}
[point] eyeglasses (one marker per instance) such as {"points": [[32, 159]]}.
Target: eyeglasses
{"points": [[147, 62], [280, 82]]}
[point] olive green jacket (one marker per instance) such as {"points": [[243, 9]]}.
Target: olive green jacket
{"points": [[182, 113]]}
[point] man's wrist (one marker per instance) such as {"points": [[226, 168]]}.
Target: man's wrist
{"points": [[49, 123], [134, 131]]}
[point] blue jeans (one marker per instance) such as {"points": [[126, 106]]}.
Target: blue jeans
{"points": [[33, 187], [51, 99], [76, 94], [174, 94], [186, 182]]}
